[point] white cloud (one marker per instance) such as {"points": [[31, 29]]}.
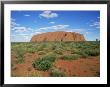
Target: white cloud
{"points": [[26, 37], [56, 27], [26, 15], [12, 19], [86, 33], [44, 28], [72, 31], [22, 34], [13, 23], [18, 38], [37, 32], [91, 25], [20, 29], [77, 29], [52, 22], [48, 14], [95, 24], [59, 27]]}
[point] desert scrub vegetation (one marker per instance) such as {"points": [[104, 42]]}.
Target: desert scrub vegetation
{"points": [[83, 54], [88, 52], [82, 48], [19, 55], [44, 63], [50, 57], [56, 73], [58, 51], [47, 54], [92, 52], [41, 52], [41, 46], [70, 57], [34, 74], [31, 50]]}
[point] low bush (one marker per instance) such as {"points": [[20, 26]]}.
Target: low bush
{"points": [[57, 73], [70, 57], [58, 51], [42, 64], [19, 55], [92, 52], [41, 46], [19, 60], [50, 58], [31, 50], [41, 52], [84, 55], [88, 52]]}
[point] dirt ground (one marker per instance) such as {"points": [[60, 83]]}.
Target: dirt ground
{"points": [[82, 67]]}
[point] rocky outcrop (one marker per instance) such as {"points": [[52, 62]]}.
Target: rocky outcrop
{"points": [[58, 36]]}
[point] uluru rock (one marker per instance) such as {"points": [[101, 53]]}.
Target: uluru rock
{"points": [[58, 36]]}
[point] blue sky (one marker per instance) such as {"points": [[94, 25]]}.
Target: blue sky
{"points": [[25, 24]]}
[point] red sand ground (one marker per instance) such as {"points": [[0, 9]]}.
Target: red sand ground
{"points": [[82, 67]]}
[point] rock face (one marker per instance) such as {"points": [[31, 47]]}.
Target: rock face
{"points": [[58, 36]]}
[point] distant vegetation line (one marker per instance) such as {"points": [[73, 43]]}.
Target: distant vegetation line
{"points": [[54, 41]]}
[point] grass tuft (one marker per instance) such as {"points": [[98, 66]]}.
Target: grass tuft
{"points": [[70, 57], [57, 73]]}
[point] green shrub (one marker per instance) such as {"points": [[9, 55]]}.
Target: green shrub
{"points": [[45, 62], [57, 73], [42, 64], [58, 51], [92, 52], [31, 50], [53, 47], [74, 51], [19, 60], [67, 48], [19, 55], [88, 52], [50, 58], [70, 57], [41, 52], [46, 49], [84, 55], [41, 46]]}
